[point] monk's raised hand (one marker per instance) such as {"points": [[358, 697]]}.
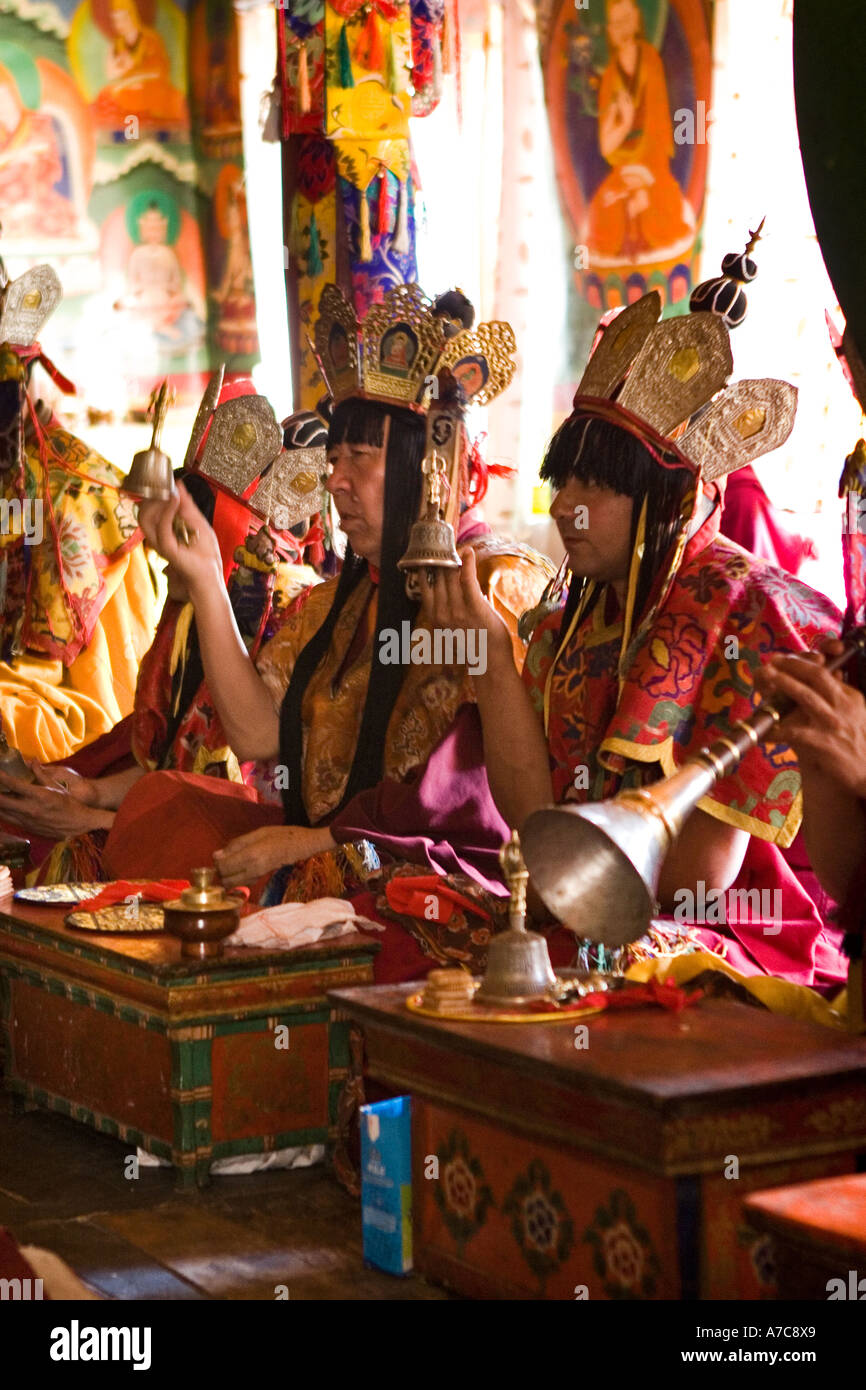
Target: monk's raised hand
{"points": [[196, 562], [827, 729], [454, 598]]}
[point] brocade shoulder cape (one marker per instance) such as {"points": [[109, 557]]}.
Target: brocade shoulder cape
{"points": [[688, 681]]}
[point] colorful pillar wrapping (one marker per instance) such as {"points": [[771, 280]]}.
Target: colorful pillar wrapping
{"points": [[351, 73]]}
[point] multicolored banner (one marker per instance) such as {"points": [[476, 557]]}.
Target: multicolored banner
{"points": [[352, 72]]}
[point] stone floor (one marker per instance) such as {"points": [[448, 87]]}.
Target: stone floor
{"points": [[62, 1186]]}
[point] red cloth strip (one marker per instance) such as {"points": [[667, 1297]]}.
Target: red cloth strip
{"points": [[156, 891], [429, 898]]}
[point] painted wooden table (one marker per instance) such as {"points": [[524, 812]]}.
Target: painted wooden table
{"points": [[547, 1168], [185, 1058], [819, 1234]]}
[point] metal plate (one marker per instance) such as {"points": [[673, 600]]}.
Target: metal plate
{"points": [[122, 917], [61, 893], [485, 1013]]}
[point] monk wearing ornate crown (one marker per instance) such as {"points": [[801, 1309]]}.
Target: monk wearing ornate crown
{"points": [[319, 697], [174, 724], [654, 652], [78, 602]]}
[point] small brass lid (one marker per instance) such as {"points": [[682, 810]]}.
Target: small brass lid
{"points": [[204, 895]]}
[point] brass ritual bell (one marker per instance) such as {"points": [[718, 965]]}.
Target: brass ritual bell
{"points": [[518, 962], [431, 541], [151, 477]]}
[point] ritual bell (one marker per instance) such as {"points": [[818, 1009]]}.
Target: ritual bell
{"points": [[151, 476], [518, 961], [431, 540]]}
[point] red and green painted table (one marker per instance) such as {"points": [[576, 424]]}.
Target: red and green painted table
{"points": [[611, 1163], [192, 1060]]}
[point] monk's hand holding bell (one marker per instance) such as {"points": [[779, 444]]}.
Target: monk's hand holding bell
{"points": [[162, 521], [455, 600]]}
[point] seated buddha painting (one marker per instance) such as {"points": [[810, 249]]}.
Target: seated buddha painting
{"points": [[46, 154], [153, 266], [628, 88], [127, 56]]}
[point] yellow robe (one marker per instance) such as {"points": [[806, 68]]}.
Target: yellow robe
{"points": [[80, 623], [50, 710]]}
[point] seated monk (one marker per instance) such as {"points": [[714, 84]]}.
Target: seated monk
{"points": [[320, 696], [138, 66], [78, 602], [174, 723], [653, 655]]}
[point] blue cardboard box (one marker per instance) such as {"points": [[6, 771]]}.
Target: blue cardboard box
{"points": [[386, 1184]]}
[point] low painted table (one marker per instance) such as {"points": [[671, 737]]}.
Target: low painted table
{"points": [[543, 1167], [819, 1234], [185, 1058]]}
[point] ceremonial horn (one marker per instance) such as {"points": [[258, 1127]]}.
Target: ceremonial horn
{"points": [[596, 867]]}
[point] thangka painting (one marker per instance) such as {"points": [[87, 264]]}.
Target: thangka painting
{"points": [[121, 164], [628, 90]]}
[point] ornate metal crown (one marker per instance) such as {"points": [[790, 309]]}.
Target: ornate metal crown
{"points": [[245, 444], [676, 373], [27, 303], [395, 354]]}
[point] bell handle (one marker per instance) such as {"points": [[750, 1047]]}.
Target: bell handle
{"points": [[159, 402]]}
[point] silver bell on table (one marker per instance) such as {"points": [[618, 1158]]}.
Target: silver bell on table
{"points": [[518, 961]]}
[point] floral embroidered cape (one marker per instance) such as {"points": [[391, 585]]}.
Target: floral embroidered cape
{"points": [[52, 585], [686, 682]]}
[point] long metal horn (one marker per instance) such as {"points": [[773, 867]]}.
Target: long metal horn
{"points": [[596, 867]]}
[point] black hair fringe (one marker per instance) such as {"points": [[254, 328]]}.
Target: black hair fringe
{"points": [[600, 452]]}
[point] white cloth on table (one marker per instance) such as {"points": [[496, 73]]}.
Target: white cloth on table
{"points": [[301, 924]]}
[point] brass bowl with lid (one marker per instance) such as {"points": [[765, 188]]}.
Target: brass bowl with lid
{"points": [[203, 916]]}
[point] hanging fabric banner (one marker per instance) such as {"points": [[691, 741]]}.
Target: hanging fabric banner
{"points": [[628, 91], [350, 74]]}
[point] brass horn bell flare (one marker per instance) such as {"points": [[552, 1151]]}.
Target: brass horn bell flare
{"points": [[596, 867]]}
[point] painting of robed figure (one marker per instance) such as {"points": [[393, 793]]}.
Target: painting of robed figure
{"points": [[628, 93]]}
